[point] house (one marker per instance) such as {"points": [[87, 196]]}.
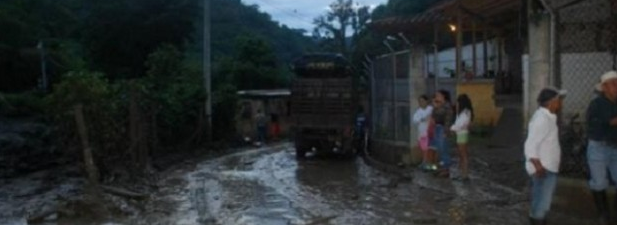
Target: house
{"points": [[274, 103]]}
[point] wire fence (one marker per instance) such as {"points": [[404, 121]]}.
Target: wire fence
{"points": [[390, 92], [586, 47]]}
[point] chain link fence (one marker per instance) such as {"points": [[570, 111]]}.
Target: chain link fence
{"points": [[586, 47], [390, 93], [586, 36]]}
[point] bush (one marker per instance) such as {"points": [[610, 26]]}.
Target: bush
{"points": [[174, 91], [20, 105], [105, 116], [225, 107]]}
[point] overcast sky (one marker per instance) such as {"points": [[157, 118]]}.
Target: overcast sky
{"points": [[299, 13]]}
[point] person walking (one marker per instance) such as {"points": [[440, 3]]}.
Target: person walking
{"points": [[464, 116], [421, 119], [262, 127], [275, 126], [602, 145], [360, 131], [543, 153], [442, 118]]}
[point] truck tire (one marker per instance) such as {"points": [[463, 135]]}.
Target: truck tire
{"points": [[300, 150], [351, 150]]}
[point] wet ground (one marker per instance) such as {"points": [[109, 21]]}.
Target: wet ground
{"points": [[268, 186]]}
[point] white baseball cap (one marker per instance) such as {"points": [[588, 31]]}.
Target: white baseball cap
{"points": [[610, 75]]}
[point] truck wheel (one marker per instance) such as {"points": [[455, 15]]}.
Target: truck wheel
{"points": [[300, 151], [352, 149]]}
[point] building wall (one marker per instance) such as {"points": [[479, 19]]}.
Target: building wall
{"points": [[482, 95]]}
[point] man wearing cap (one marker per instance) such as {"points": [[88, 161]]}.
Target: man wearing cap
{"points": [[602, 147], [543, 153]]}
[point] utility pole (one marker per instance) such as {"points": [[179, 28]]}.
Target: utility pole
{"points": [[207, 69], [41, 48]]}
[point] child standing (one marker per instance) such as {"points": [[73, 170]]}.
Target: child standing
{"points": [[441, 117], [421, 118], [464, 116]]}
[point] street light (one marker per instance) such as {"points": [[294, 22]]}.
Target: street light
{"points": [[405, 39], [385, 42], [452, 27]]}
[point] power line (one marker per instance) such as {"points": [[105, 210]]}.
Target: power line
{"points": [[293, 14]]}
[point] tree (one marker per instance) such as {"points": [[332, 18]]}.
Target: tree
{"points": [[342, 16], [121, 34], [255, 66]]}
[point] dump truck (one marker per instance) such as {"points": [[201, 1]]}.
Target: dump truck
{"points": [[324, 105]]}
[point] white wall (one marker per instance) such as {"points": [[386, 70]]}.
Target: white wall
{"points": [[579, 74]]}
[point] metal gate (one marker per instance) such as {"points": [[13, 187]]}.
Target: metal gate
{"points": [[390, 96]]}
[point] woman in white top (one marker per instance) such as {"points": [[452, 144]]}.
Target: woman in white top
{"points": [[464, 116], [421, 118]]}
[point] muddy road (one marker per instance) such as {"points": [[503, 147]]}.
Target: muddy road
{"points": [[268, 186]]}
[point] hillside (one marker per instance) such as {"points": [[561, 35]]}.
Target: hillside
{"points": [[116, 37]]}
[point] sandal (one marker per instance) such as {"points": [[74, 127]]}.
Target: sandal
{"points": [[442, 173], [461, 179]]}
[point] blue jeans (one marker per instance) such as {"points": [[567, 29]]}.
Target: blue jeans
{"points": [[261, 133], [601, 158], [542, 189], [440, 144]]}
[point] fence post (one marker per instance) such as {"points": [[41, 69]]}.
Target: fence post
{"points": [[394, 116], [539, 58], [373, 93], [417, 87]]}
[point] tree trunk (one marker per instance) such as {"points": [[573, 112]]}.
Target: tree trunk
{"points": [[138, 135], [92, 171]]}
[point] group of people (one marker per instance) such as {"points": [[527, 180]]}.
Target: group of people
{"points": [[435, 123], [543, 151], [262, 125]]}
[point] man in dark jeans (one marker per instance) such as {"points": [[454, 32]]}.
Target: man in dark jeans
{"points": [[262, 127], [360, 130], [602, 148]]}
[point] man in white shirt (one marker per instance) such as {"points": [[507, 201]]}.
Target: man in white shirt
{"points": [[543, 153]]}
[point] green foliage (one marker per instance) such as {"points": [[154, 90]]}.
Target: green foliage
{"points": [[104, 114], [80, 87], [232, 19], [23, 104], [116, 37], [226, 106], [121, 34], [164, 64], [175, 91], [27, 22], [331, 28], [370, 43], [254, 66]]}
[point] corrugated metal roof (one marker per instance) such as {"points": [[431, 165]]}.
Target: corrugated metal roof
{"points": [[447, 10], [423, 18], [265, 93]]}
